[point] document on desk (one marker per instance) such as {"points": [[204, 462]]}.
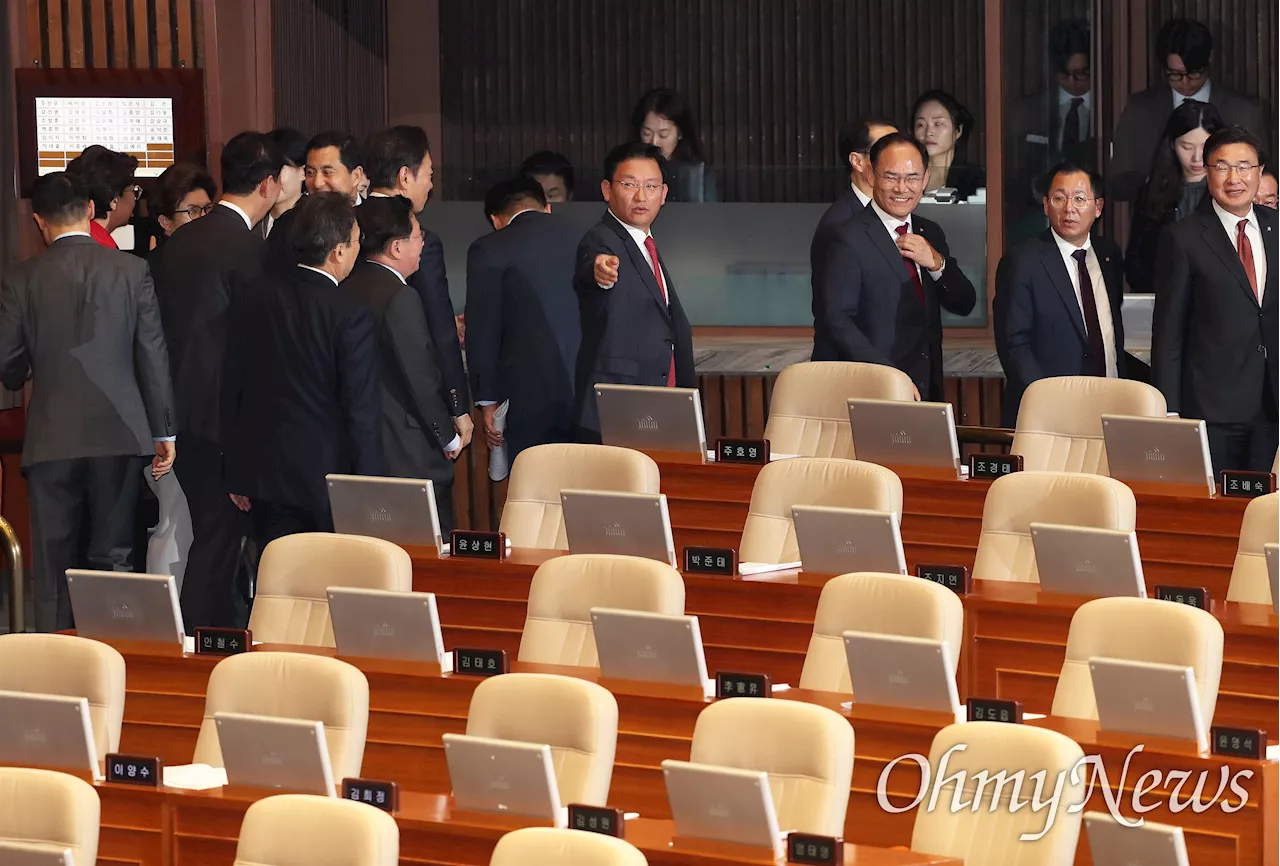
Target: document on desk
{"points": [[195, 777], [746, 569]]}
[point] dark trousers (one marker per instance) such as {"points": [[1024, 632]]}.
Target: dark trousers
{"points": [[1249, 446], [444, 507], [82, 512], [212, 592], [273, 520]]}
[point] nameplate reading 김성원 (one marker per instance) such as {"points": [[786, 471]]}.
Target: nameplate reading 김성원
{"points": [[954, 577], [373, 792], [1247, 485], [993, 710], [1238, 742], [711, 560], [736, 685], [742, 451], [993, 466], [818, 850], [477, 545], [134, 770], [480, 662], [222, 641], [1193, 596], [597, 819]]}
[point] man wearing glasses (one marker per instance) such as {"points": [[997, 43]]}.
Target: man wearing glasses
{"points": [[1184, 50], [1057, 302], [1213, 338]]}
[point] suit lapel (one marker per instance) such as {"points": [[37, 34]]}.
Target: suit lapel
{"points": [[880, 239], [638, 260], [1216, 237], [1051, 259], [1269, 246]]}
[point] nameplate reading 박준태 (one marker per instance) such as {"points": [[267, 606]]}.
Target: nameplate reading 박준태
{"points": [[134, 770], [711, 560], [754, 451], [993, 710], [1243, 484], [597, 819], [222, 641], [954, 577], [474, 544], [1238, 742], [479, 662], [373, 792], [817, 850], [993, 466], [736, 685], [1192, 596]]}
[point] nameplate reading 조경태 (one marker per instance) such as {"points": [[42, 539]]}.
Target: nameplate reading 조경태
{"points": [[993, 466]]}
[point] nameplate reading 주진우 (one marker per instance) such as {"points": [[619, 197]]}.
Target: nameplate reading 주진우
{"points": [[480, 662], [372, 792], [1247, 485], [222, 641], [134, 770], [1193, 596], [818, 850], [711, 560], [754, 451], [1238, 742], [736, 685], [473, 544], [993, 710], [597, 819], [954, 577], [993, 466]]}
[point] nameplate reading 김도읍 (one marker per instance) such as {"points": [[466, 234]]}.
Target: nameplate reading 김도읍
{"points": [[954, 577], [480, 662], [1193, 596], [597, 819], [373, 792], [736, 685], [817, 850], [473, 544], [1247, 485], [993, 710], [754, 451], [222, 641], [993, 466], [1238, 742], [711, 560], [134, 770]]}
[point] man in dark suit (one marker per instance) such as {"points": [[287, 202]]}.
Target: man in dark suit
{"points": [[334, 163], [200, 270], [1184, 49], [634, 330], [523, 331], [886, 273], [1057, 302], [399, 163], [1213, 339], [308, 402], [83, 320], [417, 432]]}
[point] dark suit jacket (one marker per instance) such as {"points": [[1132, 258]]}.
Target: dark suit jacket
{"points": [[1033, 144], [523, 330], [201, 266], [416, 425], [432, 286], [1213, 348], [279, 243], [628, 333], [84, 320], [309, 401], [865, 306], [1039, 327], [1142, 124], [966, 179]]}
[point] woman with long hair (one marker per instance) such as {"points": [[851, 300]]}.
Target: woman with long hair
{"points": [[663, 118]]}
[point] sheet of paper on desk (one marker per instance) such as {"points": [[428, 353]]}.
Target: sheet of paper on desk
{"points": [[1273, 752], [747, 569], [195, 777]]}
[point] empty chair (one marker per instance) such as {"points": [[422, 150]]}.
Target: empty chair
{"points": [[1060, 420], [45, 809], [532, 516], [550, 847], [1261, 526], [304, 830], [576, 718], [1144, 630], [291, 606], [807, 750], [989, 833], [880, 603], [809, 409], [74, 667], [769, 534], [1016, 501], [558, 628], [291, 686]]}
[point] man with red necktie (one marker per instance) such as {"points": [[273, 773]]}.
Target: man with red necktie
{"points": [[634, 330]]}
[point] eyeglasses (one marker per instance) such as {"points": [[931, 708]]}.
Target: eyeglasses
{"points": [[1244, 169], [1190, 75], [894, 178], [196, 211], [136, 190], [1060, 201], [632, 186], [1080, 75]]}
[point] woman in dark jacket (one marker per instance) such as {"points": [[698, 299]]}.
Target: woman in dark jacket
{"points": [[663, 118], [942, 124]]}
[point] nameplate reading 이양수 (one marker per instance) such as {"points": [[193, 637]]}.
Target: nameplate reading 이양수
{"points": [[134, 770]]}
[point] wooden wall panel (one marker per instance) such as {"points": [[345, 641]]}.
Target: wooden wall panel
{"points": [[99, 34]]}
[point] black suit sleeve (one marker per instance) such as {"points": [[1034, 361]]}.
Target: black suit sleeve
{"points": [[151, 361], [837, 292], [360, 392], [432, 286], [14, 362], [1169, 322], [411, 342], [484, 325], [1013, 312]]}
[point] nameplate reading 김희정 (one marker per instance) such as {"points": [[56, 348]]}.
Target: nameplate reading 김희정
{"points": [[817, 850], [597, 819], [477, 545], [1247, 485], [993, 466], [134, 770], [954, 577], [480, 662], [993, 710], [1238, 742], [736, 685], [1193, 596], [222, 641], [754, 451], [372, 792], [711, 560]]}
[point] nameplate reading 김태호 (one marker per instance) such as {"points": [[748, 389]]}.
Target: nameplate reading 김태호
{"points": [[819, 850], [993, 466], [954, 577], [1247, 485], [993, 710], [735, 685], [373, 792], [477, 545], [134, 770], [597, 819], [1194, 596], [1238, 742], [480, 662], [742, 451], [711, 560], [222, 641]]}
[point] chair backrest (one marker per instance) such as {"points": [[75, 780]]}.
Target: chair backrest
{"points": [[549, 846], [809, 409], [532, 516], [291, 686], [43, 807], [305, 830], [1059, 424], [1261, 526], [990, 835], [1144, 630], [770, 535], [557, 629], [291, 606], [74, 667], [576, 718], [1016, 501], [806, 749], [869, 601]]}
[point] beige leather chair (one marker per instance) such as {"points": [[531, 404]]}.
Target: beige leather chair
{"points": [[1144, 630], [807, 750], [1060, 420], [769, 534], [1261, 526], [305, 830], [557, 629], [69, 666], [291, 606], [989, 834], [881, 603], [1016, 501], [291, 686], [49, 811], [576, 718], [549, 847], [531, 516], [809, 409]]}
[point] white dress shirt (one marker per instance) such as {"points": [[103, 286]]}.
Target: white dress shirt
{"points": [[1064, 106], [1201, 95], [862, 197], [640, 236], [244, 216], [320, 271], [891, 224], [1100, 298], [268, 221], [1254, 233]]}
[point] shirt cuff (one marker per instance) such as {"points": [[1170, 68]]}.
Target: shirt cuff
{"points": [[610, 286], [937, 275], [486, 402], [454, 444], [165, 439]]}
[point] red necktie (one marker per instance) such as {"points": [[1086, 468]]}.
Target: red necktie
{"points": [[1245, 250], [911, 266], [652, 249]]}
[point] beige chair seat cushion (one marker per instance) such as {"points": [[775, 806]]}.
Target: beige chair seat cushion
{"points": [[1260, 527], [809, 409], [305, 830], [48, 809], [545, 845], [1059, 424]]}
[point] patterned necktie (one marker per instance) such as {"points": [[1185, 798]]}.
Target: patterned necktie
{"points": [[1097, 365], [652, 249], [911, 266], [1245, 250]]}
